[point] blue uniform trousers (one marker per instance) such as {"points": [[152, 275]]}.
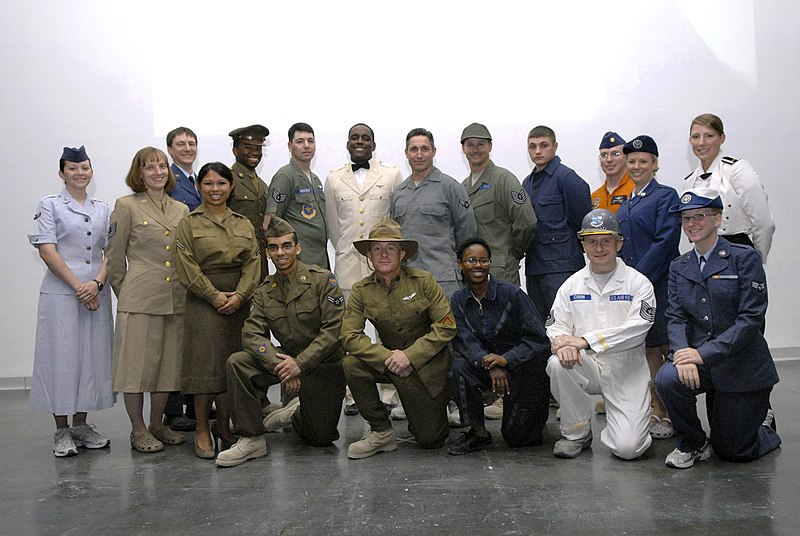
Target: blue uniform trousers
{"points": [[542, 290]]}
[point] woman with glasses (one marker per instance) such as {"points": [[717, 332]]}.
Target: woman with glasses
{"points": [[718, 300], [651, 236], [217, 259], [746, 218]]}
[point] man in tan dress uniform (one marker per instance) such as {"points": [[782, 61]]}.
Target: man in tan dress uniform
{"points": [[301, 306]]}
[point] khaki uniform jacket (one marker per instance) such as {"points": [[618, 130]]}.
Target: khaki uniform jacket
{"points": [[412, 315], [305, 319], [203, 244], [505, 218], [140, 269], [302, 204], [249, 198], [352, 211]]}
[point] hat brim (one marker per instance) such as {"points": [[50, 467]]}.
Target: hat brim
{"points": [[583, 233], [409, 246]]}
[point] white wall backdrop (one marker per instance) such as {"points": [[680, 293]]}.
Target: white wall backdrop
{"points": [[116, 76]]}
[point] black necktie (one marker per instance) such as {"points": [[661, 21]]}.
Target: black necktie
{"points": [[702, 263], [704, 176], [362, 165]]}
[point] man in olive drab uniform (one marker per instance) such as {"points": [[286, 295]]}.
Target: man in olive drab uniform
{"points": [[617, 187], [296, 195], [249, 197], [413, 319], [301, 306], [504, 216]]}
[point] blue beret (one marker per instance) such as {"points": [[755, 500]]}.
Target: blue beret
{"points": [[611, 139], [71, 154], [641, 144], [698, 198]]}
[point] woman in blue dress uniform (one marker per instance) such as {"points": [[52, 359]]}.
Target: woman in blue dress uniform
{"points": [[651, 236], [718, 300], [72, 361]]}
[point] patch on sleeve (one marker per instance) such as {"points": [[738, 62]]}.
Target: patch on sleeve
{"points": [[262, 349], [279, 197], [332, 280], [179, 244], [551, 319], [759, 286], [448, 321], [37, 216], [464, 203], [336, 301], [518, 197], [647, 312], [112, 229]]}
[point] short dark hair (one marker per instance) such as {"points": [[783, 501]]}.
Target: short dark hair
{"points": [[299, 127], [371, 132], [180, 130], [420, 132], [217, 167], [474, 241], [542, 132]]}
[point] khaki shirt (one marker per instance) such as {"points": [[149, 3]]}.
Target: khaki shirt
{"points": [[204, 244], [304, 313], [301, 203], [140, 240], [505, 218], [412, 315]]}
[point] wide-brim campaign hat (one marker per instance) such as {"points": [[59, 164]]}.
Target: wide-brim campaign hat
{"points": [[387, 230]]}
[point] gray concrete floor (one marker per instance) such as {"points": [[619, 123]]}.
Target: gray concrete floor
{"points": [[298, 489]]}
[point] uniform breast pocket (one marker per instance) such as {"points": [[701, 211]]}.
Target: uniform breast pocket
{"points": [[378, 205], [344, 204], [243, 239], [484, 208], [550, 208], [277, 317], [555, 246], [724, 291], [308, 313], [435, 212]]}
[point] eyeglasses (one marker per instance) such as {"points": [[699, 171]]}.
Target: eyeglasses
{"points": [[286, 246], [695, 217], [389, 249], [472, 261], [612, 154]]}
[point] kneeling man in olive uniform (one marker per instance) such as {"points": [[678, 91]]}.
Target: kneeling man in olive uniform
{"points": [[412, 316], [302, 306]]}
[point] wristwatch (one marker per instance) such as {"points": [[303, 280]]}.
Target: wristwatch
{"points": [[99, 285]]}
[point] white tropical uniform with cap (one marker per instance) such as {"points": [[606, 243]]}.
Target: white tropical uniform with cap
{"points": [[614, 320]]}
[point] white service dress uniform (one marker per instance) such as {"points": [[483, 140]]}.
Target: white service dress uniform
{"points": [[614, 321], [72, 359]]}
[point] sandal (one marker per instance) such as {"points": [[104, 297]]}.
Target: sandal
{"points": [[146, 443], [167, 436], [658, 430]]}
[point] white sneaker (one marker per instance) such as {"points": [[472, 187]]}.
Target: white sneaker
{"points": [[684, 460], [283, 417], [374, 443], [572, 448], [494, 411], [398, 413], [454, 415], [769, 419], [247, 448], [64, 445], [86, 436]]}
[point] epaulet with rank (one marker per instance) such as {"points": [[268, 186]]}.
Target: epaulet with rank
{"points": [[729, 160], [387, 164], [340, 168]]}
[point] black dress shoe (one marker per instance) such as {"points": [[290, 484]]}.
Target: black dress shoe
{"points": [[180, 423], [469, 442]]}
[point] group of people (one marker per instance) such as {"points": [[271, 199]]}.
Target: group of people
{"points": [[433, 265]]}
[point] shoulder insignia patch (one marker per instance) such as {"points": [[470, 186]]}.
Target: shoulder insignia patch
{"points": [[759, 286], [262, 349], [332, 280], [464, 203], [112, 229], [729, 160], [179, 245], [647, 312], [447, 320], [37, 216], [551, 319], [279, 197], [520, 197], [336, 301]]}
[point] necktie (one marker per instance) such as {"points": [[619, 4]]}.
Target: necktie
{"points": [[362, 165], [702, 263]]}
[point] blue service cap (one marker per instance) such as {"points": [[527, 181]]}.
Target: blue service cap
{"points": [[698, 198], [611, 139], [641, 144], [71, 154]]}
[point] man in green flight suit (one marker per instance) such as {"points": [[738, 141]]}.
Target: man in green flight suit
{"points": [[302, 307], [249, 197], [412, 316]]}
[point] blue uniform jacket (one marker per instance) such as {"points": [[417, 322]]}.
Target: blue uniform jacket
{"points": [[185, 191], [720, 313], [560, 199], [504, 323]]}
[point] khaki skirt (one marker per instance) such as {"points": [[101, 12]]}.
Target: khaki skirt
{"points": [[210, 338], [147, 350]]}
